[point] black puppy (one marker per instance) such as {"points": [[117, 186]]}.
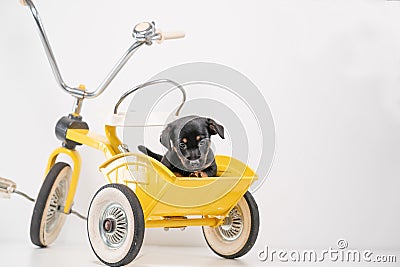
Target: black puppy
{"points": [[188, 142]]}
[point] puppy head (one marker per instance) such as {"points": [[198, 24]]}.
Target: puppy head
{"points": [[188, 142]]}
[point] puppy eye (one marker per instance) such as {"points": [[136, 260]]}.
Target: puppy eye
{"points": [[202, 142], [182, 145]]}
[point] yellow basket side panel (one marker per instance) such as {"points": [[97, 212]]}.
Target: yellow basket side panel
{"points": [[161, 193]]}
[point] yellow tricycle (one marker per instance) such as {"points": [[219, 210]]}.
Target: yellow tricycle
{"points": [[140, 191]]}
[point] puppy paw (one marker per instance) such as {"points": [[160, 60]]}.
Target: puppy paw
{"points": [[194, 174], [203, 174], [198, 174], [177, 174]]}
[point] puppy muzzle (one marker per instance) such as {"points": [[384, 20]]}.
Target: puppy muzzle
{"points": [[194, 163]]}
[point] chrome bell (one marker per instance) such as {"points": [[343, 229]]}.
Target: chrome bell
{"points": [[144, 31]]}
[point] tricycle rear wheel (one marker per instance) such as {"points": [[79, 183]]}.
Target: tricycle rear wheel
{"points": [[237, 235], [115, 225]]}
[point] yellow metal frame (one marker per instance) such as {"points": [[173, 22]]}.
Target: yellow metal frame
{"points": [[76, 159], [167, 200], [84, 137]]}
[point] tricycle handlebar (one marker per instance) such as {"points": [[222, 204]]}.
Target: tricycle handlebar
{"points": [[170, 36], [144, 37]]}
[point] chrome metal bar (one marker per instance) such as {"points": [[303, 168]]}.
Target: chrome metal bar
{"points": [[80, 216], [76, 92], [77, 108], [49, 52], [24, 195], [121, 63], [134, 89], [8, 187]]}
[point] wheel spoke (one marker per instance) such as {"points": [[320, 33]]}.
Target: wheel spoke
{"points": [[232, 227], [57, 199], [116, 236]]}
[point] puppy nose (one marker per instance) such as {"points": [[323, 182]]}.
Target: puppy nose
{"points": [[194, 163]]}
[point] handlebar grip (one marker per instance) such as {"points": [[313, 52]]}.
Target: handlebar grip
{"points": [[23, 2], [171, 35]]}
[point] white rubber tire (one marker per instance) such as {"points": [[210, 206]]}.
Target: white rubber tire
{"points": [[116, 195], [233, 243], [47, 221]]}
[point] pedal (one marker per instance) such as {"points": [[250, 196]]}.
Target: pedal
{"points": [[7, 187]]}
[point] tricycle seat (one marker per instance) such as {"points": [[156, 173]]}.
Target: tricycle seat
{"points": [[140, 119]]}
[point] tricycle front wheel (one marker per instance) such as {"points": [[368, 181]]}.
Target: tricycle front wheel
{"points": [[237, 235], [48, 217], [115, 225]]}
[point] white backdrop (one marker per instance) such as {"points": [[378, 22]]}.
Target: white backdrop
{"points": [[330, 71]]}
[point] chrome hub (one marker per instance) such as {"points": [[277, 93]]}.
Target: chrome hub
{"points": [[232, 227], [113, 225]]}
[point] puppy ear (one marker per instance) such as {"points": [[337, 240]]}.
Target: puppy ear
{"points": [[215, 128], [165, 137]]}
